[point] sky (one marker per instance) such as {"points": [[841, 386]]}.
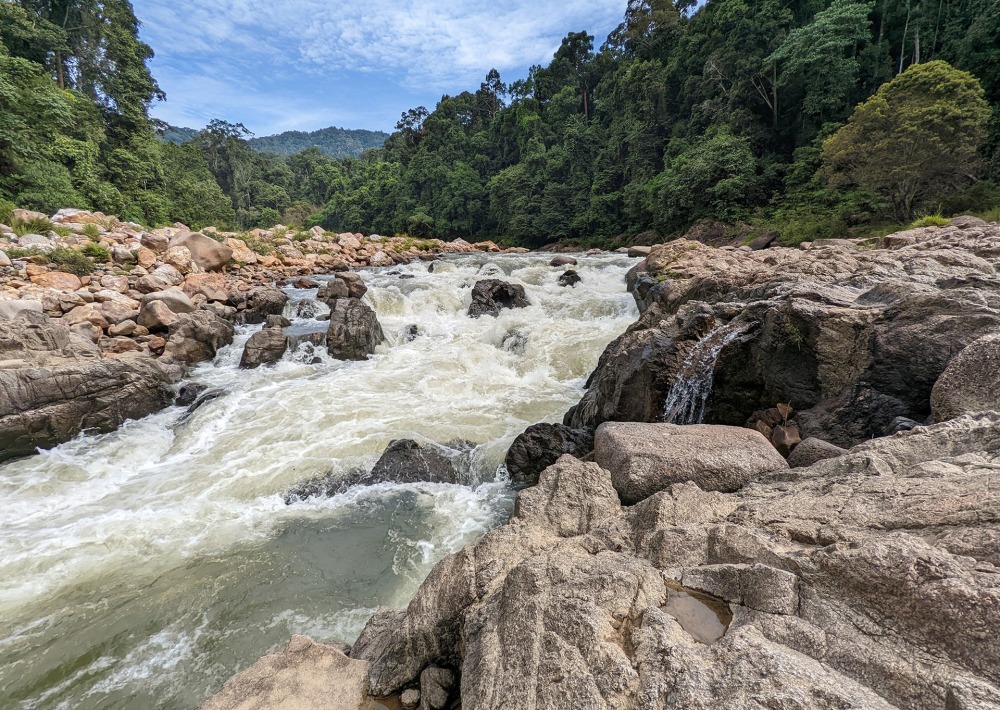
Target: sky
{"points": [[279, 65]]}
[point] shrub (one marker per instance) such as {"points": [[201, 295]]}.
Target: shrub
{"points": [[72, 261], [35, 225], [97, 252], [6, 212], [991, 215], [92, 231], [931, 220]]}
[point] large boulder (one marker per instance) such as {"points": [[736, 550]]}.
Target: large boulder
{"points": [[971, 382], [256, 305], [540, 445], [265, 347], [207, 253], [10, 308], [490, 296], [305, 675], [354, 330], [173, 298], [196, 337], [646, 458], [864, 581], [55, 384]]}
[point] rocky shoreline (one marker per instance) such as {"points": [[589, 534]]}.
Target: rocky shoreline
{"points": [[860, 572], [99, 317]]}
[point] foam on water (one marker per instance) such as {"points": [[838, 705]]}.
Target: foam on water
{"points": [[113, 547]]}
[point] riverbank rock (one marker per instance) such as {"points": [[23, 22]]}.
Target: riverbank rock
{"points": [[490, 296], [971, 382], [265, 347], [646, 458], [354, 331], [852, 335], [864, 581], [406, 461], [305, 675], [204, 251], [812, 450], [539, 446], [55, 384]]}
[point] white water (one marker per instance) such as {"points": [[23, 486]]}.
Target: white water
{"points": [[143, 567], [691, 386]]}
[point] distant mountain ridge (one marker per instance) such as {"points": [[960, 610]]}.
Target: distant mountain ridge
{"points": [[332, 141]]}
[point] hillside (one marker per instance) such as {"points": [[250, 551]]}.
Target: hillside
{"points": [[335, 142]]}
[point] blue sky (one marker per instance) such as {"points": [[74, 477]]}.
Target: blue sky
{"points": [[278, 65]]}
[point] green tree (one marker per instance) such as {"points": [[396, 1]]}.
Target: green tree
{"points": [[913, 142]]}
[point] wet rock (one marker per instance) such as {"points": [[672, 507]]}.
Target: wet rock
{"points": [[570, 278], [332, 290], [812, 450], [188, 393], [355, 284], [259, 303], [207, 253], [305, 675], [514, 341], [265, 347], [646, 458], [490, 296], [276, 321], [540, 445], [354, 330], [563, 260], [308, 308], [411, 333], [196, 337], [406, 461], [54, 384], [971, 382]]}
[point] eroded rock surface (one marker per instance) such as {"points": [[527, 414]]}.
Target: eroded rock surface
{"points": [[864, 581], [55, 384], [490, 296], [354, 330], [852, 335]]}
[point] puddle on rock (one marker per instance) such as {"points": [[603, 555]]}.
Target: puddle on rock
{"points": [[703, 616]]}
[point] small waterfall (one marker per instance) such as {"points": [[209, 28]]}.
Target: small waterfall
{"points": [[693, 382]]}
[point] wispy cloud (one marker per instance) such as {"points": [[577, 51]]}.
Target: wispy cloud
{"points": [[405, 49]]}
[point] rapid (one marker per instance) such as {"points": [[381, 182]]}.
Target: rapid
{"points": [[142, 568]]}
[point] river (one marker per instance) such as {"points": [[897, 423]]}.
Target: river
{"points": [[142, 568]]}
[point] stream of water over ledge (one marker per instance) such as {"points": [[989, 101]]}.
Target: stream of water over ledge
{"points": [[142, 568]]}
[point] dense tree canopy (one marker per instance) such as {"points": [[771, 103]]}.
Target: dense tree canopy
{"points": [[689, 111]]}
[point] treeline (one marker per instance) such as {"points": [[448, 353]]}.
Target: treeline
{"points": [[809, 117], [684, 114]]}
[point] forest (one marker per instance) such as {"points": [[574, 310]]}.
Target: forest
{"points": [[808, 118]]}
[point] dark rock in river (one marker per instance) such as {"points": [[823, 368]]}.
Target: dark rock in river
{"points": [[403, 461], [490, 296], [354, 330], [264, 347], [540, 445], [562, 261], [55, 384], [570, 278], [276, 321], [188, 393]]}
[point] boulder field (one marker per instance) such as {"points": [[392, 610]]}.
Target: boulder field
{"points": [[826, 536]]}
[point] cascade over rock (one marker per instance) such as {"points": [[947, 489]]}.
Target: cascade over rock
{"points": [[853, 339]]}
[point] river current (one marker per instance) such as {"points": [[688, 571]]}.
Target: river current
{"points": [[142, 568]]}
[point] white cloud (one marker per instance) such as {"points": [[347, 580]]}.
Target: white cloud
{"points": [[428, 43]]}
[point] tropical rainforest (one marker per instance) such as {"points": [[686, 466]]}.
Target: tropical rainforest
{"points": [[808, 118]]}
